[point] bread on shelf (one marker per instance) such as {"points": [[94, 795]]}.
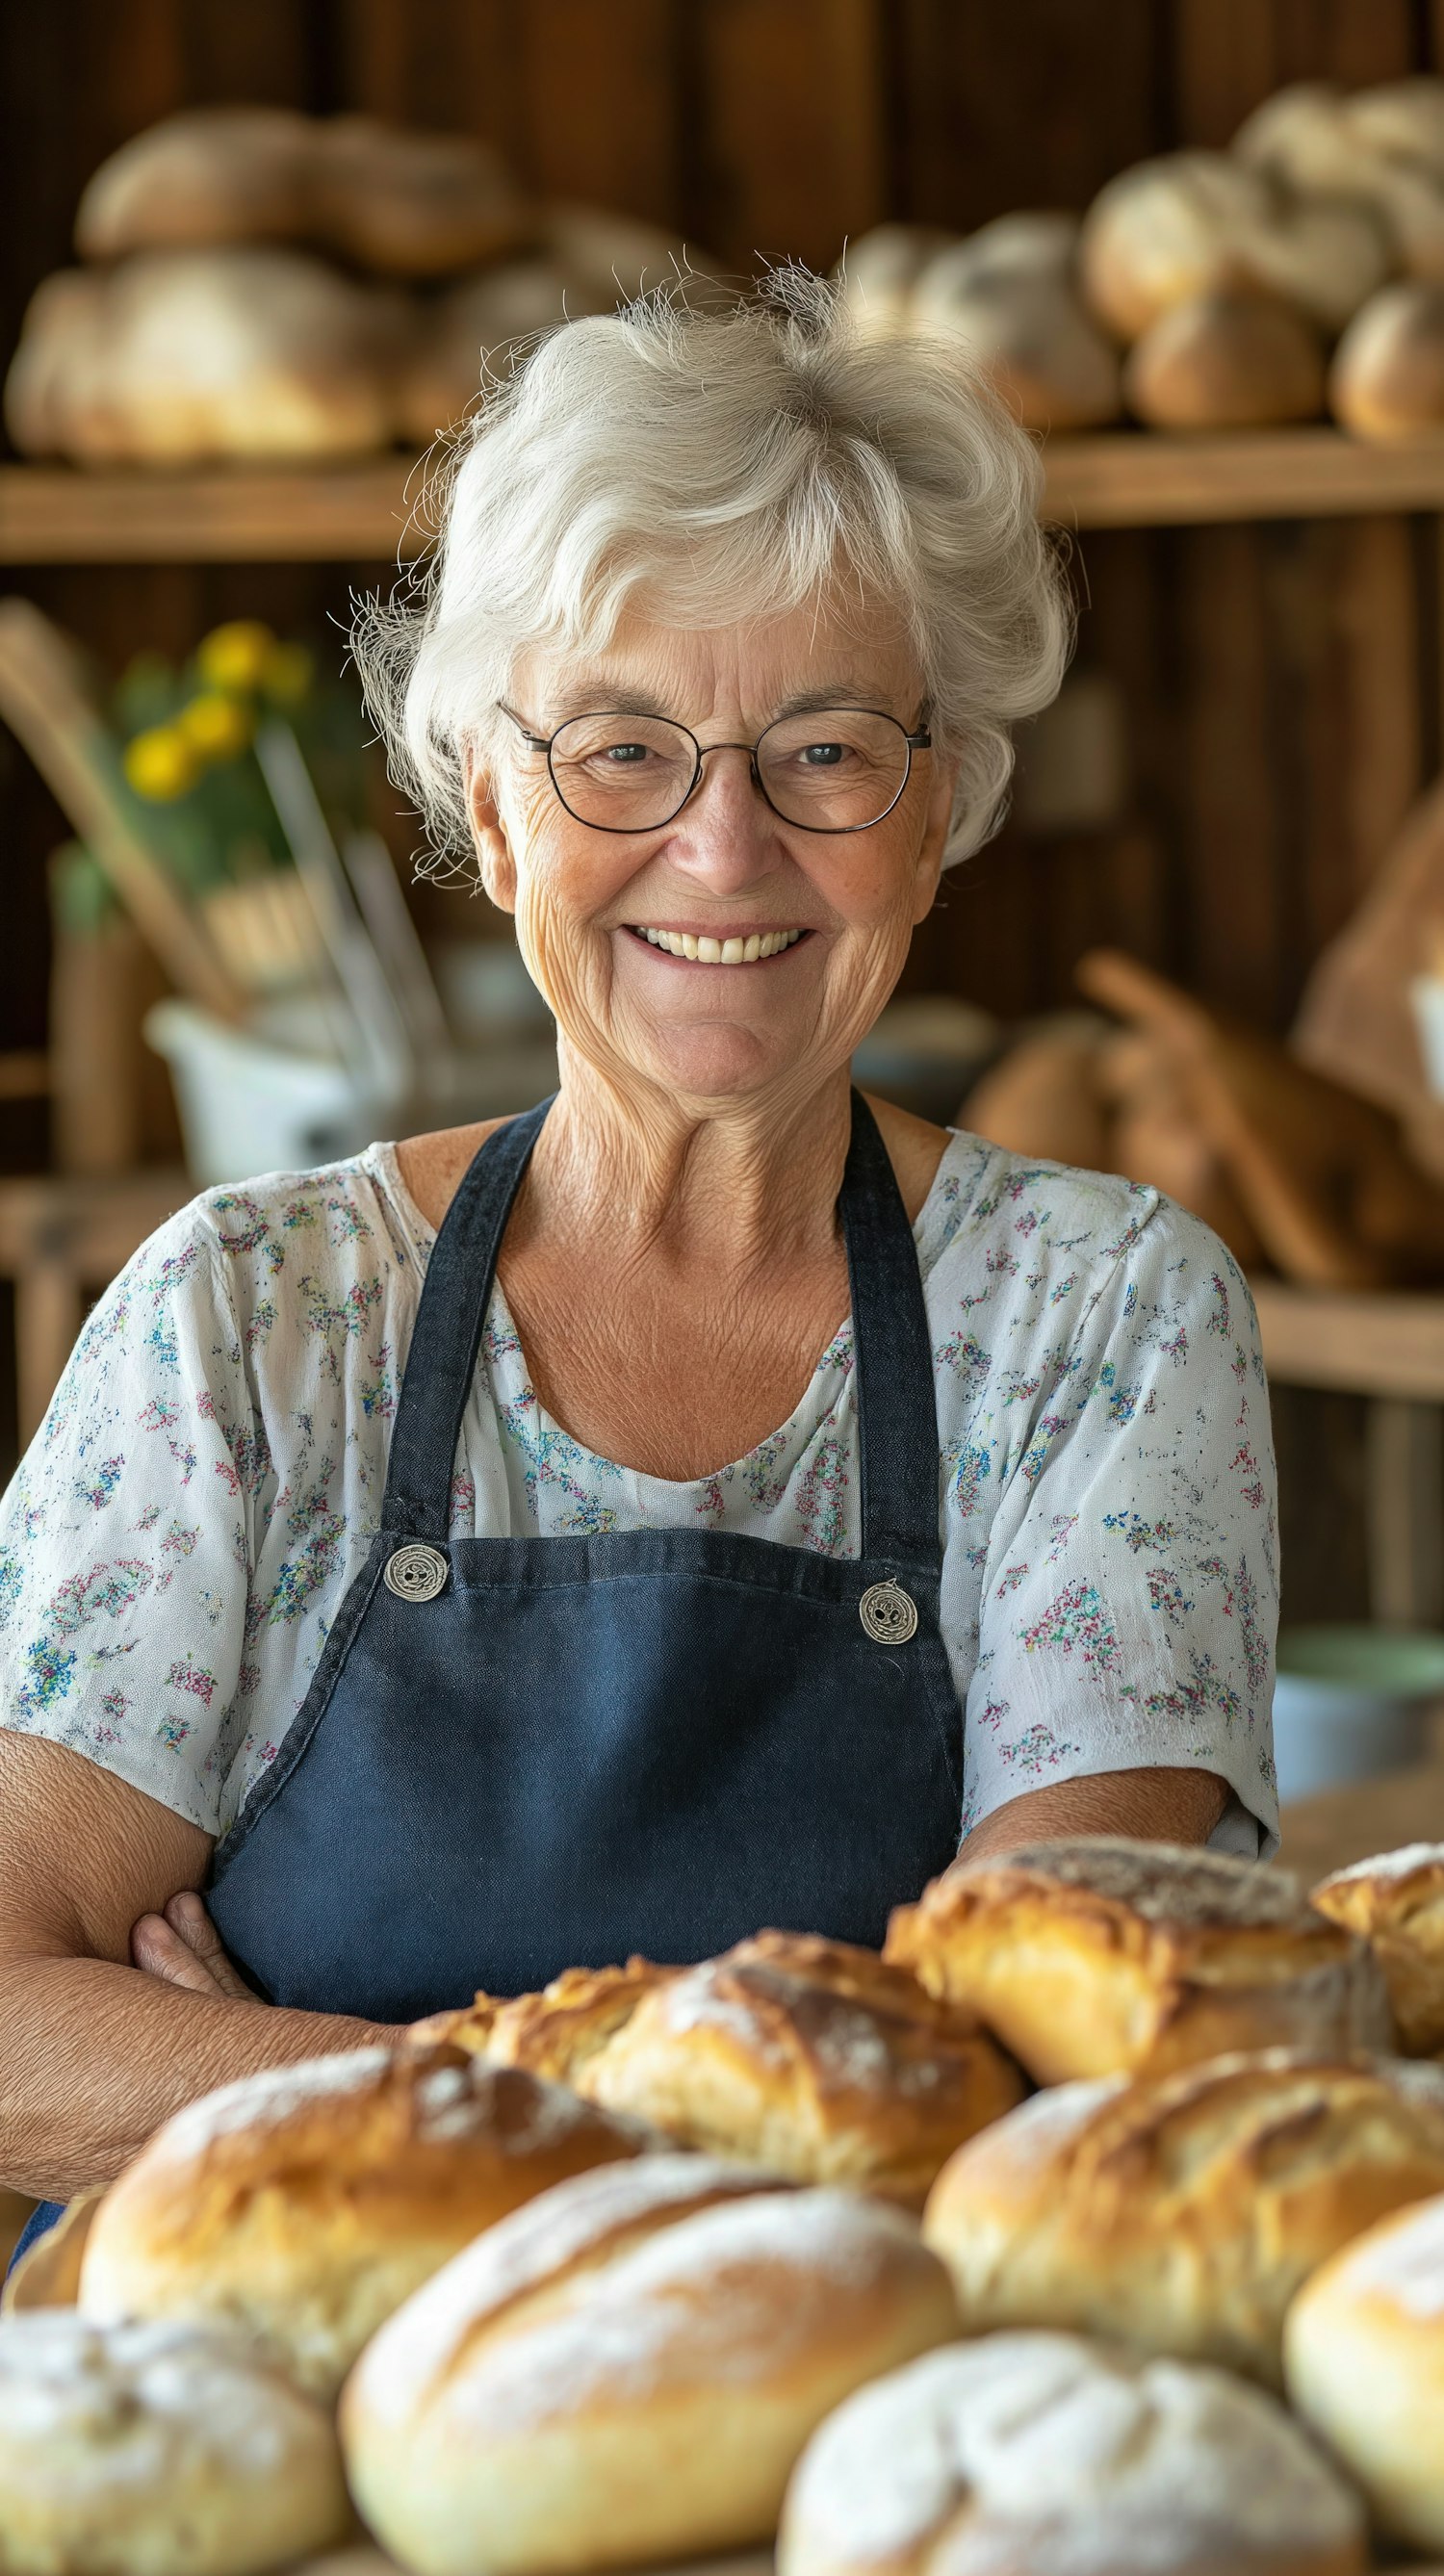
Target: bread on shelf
{"points": [[1095, 1955], [628, 2369], [1387, 378], [1381, 149], [1049, 361], [306, 2203], [1202, 223], [411, 204], [205, 176], [1183, 2212], [1048, 2455], [1227, 359], [1395, 1902], [813, 2058], [1364, 2363], [157, 2450]]}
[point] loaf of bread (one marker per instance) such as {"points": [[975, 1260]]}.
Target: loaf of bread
{"points": [[1364, 2365], [305, 2204], [411, 204], [1395, 1902], [810, 2057], [1047, 2455], [1184, 2211], [1049, 361], [878, 272], [156, 2450], [205, 176], [1380, 149], [1387, 379], [181, 356], [1199, 223], [629, 2368], [1095, 1956], [1229, 359]]}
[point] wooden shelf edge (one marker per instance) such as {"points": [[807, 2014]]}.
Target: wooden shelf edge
{"points": [[374, 512], [1379, 1345]]}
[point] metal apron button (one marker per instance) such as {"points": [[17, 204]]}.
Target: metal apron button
{"points": [[887, 1613], [416, 1573]]}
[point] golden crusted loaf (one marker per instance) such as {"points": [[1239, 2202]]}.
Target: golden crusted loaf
{"points": [[811, 2057], [1364, 2363], [629, 2368], [306, 2203], [1047, 2455], [1395, 1902], [1098, 1956], [1184, 2211], [156, 2450]]}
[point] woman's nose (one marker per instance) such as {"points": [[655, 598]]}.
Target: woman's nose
{"points": [[725, 828]]}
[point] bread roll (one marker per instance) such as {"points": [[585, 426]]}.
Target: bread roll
{"points": [[1395, 1902], [473, 330], [1198, 223], [1183, 2211], [552, 2033], [810, 2057], [878, 272], [1049, 361], [618, 256], [1363, 150], [1387, 380], [1229, 359], [1094, 1956], [57, 339], [411, 204], [306, 2203], [208, 175], [1045, 2455], [629, 2368], [156, 2450], [1403, 119], [1364, 2362]]}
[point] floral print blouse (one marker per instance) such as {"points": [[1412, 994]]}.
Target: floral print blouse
{"points": [[184, 1527]]}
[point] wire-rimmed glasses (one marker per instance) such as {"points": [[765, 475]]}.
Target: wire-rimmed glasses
{"points": [[837, 769]]}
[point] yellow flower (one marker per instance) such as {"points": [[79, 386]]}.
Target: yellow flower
{"points": [[233, 656], [160, 764], [216, 727], [286, 673]]}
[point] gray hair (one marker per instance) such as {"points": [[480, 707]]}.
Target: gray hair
{"points": [[715, 464]]}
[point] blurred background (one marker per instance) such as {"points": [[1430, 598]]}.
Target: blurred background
{"points": [[229, 336]]}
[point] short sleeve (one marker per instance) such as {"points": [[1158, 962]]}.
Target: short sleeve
{"points": [[1129, 1600], [125, 1536]]}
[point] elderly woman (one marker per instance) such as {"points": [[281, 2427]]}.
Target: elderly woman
{"points": [[704, 1501]]}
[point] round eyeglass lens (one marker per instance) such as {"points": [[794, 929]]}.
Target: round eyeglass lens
{"points": [[833, 772], [623, 773]]}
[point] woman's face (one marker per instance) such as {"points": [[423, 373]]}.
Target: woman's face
{"points": [[725, 868]]}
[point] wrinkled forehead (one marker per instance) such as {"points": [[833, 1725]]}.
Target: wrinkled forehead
{"points": [[750, 671]]}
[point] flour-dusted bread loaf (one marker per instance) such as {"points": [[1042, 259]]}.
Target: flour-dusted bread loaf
{"points": [[878, 272], [554, 2031], [629, 2369], [1050, 362], [1229, 359], [811, 2057], [1387, 379], [1199, 223], [1395, 1902], [1047, 2455], [1380, 149], [156, 2450], [207, 175], [175, 357], [408, 203], [1096, 1955], [1184, 2211], [1364, 2364], [307, 2203]]}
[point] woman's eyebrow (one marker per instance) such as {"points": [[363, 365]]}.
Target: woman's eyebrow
{"points": [[839, 693]]}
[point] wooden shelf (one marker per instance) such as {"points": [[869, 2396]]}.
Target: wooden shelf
{"points": [[1384, 1345], [361, 513]]}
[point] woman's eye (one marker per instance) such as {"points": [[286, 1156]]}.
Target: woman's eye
{"points": [[822, 755], [623, 755]]}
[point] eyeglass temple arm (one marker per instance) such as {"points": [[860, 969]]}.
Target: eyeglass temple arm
{"points": [[537, 741]]}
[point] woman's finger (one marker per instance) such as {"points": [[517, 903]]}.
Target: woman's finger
{"points": [[161, 1952], [187, 1916]]}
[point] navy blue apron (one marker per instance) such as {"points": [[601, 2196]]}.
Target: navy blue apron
{"points": [[523, 1754]]}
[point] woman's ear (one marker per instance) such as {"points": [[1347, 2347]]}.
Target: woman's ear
{"points": [[488, 834], [942, 788]]}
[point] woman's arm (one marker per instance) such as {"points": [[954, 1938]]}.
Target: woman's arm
{"points": [[93, 2053], [1154, 1805]]}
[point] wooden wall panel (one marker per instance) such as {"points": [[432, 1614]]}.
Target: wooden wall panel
{"points": [[1005, 103], [787, 145], [1229, 54]]}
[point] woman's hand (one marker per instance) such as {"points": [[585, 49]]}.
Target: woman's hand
{"points": [[183, 1948]]}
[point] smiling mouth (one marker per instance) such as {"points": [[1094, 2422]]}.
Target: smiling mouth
{"points": [[699, 949]]}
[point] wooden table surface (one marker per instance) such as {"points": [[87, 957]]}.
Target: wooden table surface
{"points": [[1340, 1825]]}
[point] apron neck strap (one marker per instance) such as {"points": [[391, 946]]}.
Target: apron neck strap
{"points": [[897, 1413]]}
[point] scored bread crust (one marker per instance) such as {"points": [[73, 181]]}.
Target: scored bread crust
{"points": [[1098, 1955], [812, 2057], [629, 2367], [1184, 2211], [306, 2203], [1364, 2365], [1395, 1902]]}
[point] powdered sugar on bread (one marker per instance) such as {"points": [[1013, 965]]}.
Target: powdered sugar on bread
{"points": [[1162, 1882]]}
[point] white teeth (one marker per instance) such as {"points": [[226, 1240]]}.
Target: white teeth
{"points": [[708, 951]]}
